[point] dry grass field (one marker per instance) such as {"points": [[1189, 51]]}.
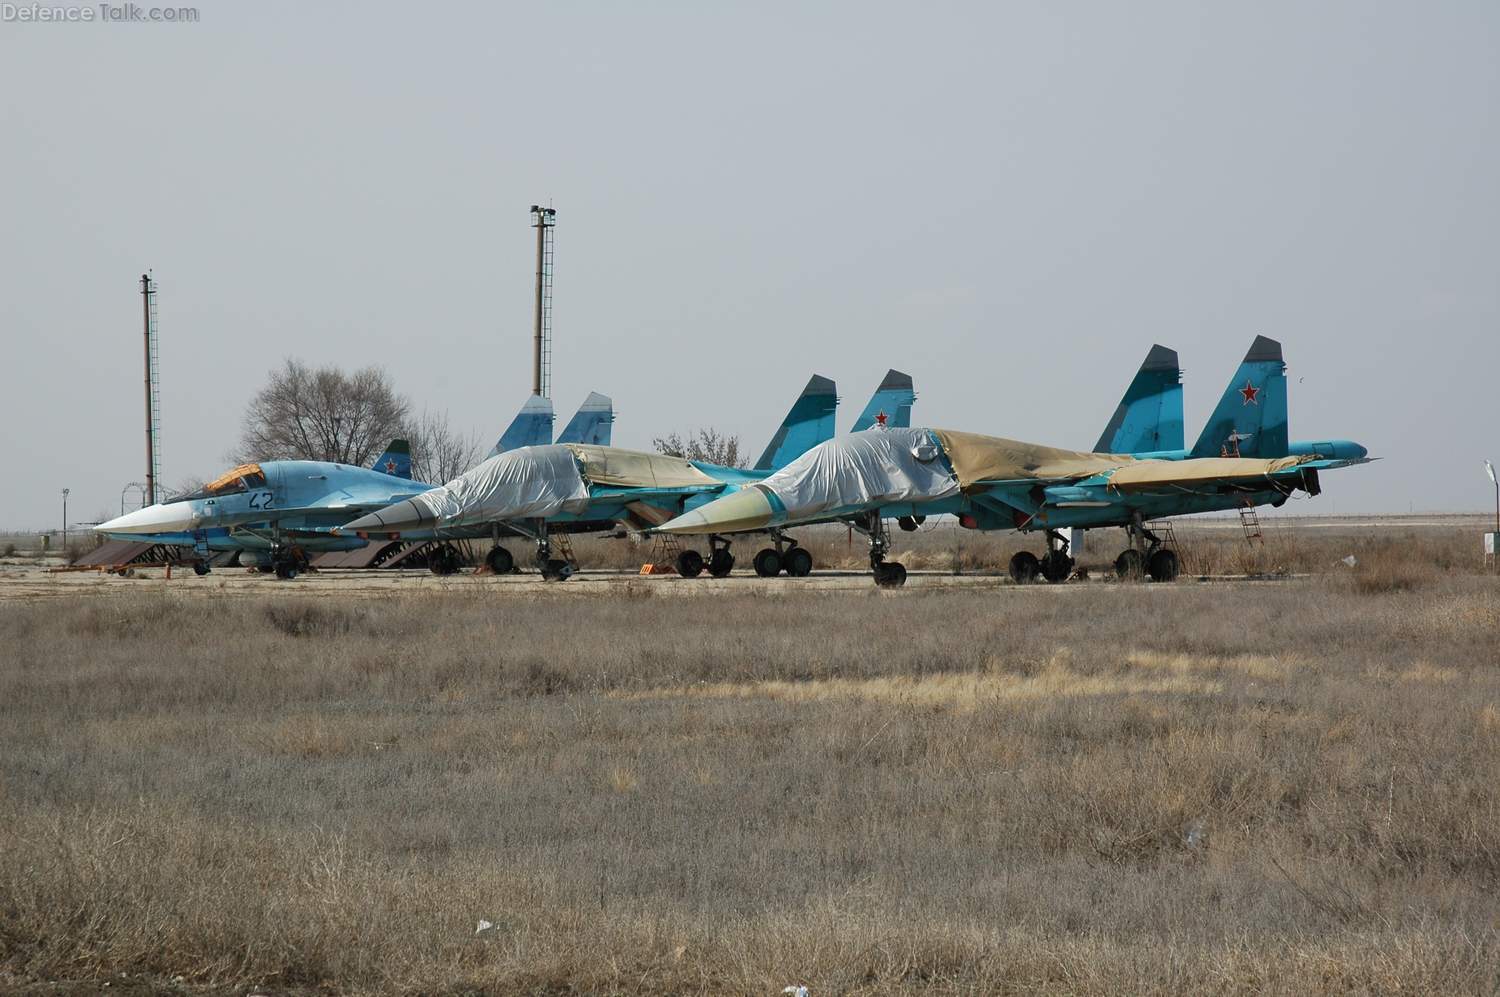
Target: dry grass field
{"points": [[1275, 787]]}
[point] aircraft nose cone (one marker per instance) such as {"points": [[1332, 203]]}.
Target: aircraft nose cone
{"points": [[164, 517], [401, 517], [748, 509]]}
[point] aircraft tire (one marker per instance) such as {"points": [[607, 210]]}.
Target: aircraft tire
{"points": [[500, 560], [1130, 565], [798, 562], [557, 570], [767, 563], [720, 563], [890, 574], [1024, 567], [1162, 565], [200, 568], [1056, 567], [690, 564], [286, 569], [442, 561]]}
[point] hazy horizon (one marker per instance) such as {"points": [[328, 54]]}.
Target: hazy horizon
{"points": [[1011, 203]]}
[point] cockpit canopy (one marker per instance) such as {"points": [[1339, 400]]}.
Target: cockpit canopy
{"points": [[232, 482]]}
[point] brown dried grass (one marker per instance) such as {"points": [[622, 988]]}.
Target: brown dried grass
{"points": [[1177, 789]]}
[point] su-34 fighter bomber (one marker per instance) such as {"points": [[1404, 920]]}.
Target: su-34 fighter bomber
{"points": [[990, 483]]}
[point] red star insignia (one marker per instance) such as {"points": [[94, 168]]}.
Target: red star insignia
{"points": [[390, 467], [880, 418], [1250, 392]]}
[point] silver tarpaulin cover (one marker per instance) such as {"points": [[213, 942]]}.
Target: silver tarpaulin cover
{"points": [[877, 466], [532, 482]]}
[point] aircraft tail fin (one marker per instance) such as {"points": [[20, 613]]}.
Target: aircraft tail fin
{"points": [[396, 461], [809, 423], [890, 405], [592, 423], [532, 427], [1251, 418], [1149, 417]]}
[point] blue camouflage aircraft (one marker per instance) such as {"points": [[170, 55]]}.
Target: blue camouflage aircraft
{"points": [[991, 483], [537, 491], [278, 512]]}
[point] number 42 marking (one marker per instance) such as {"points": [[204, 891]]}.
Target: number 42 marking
{"points": [[261, 500]]}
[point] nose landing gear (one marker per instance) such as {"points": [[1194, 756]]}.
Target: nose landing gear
{"points": [[786, 556], [720, 561]]}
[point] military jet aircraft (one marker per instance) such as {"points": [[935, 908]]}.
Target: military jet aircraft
{"points": [[1147, 424], [278, 512], [536, 491], [991, 483]]}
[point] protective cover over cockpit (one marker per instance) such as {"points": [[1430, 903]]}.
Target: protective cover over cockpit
{"points": [[875, 466], [529, 483], [239, 479]]}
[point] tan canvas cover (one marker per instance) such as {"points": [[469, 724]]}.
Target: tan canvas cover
{"points": [[1146, 474], [615, 468], [991, 458]]}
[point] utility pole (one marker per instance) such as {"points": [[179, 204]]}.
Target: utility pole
{"points": [[1490, 470], [543, 220], [65, 524], [153, 386]]}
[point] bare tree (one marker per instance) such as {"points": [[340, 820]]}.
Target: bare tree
{"points": [[707, 445], [322, 414], [440, 453]]}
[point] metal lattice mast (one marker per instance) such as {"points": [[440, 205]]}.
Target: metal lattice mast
{"points": [[544, 220], [153, 388]]}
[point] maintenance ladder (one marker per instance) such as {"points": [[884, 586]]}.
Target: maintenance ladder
{"points": [[1250, 523], [663, 558]]}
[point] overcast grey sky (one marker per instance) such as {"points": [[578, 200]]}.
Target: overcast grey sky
{"points": [[1010, 201]]}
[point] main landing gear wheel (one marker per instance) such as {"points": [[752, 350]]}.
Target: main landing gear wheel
{"points": [[720, 563], [798, 562], [200, 568], [1130, 565], [1024, 567], [690, 564], [286, 569], [1056, 566], [555, 569], [768, 563], [443, 561], [1162, 565], [500, 561], [890, 574]]}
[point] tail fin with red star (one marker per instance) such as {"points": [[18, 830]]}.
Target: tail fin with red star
{"points": [[396, 461], [1251, 418], [890, 406]]}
